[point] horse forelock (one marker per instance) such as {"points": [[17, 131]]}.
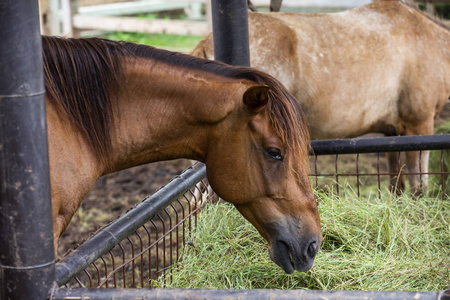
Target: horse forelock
{"points": [[289, 122]]}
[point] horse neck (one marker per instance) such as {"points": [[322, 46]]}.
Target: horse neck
{"points": [[167, 112]]}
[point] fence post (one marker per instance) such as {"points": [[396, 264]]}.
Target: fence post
{"points": [[26, 239], [230, 31], [429, 7]]}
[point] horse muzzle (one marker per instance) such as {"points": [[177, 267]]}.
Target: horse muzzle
{"points": [[291, 255]]}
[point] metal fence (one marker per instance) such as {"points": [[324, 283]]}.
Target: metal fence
{"points": [[361, 163], [145, 252], [142, 244]]}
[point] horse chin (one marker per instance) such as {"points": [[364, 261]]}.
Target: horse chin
{"points": [[284, 255]]}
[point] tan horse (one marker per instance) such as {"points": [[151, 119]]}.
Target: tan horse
{"points": [[112, 106], [381, 68]]}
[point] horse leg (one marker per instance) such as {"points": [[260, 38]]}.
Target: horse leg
{"points": [[417, 166], [417, 161], [397, 183]]}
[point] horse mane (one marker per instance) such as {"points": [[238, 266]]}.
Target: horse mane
{"points": [[83, 77], [415, 7]]}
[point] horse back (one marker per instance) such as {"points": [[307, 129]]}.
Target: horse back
{"points": [[381, 64]]}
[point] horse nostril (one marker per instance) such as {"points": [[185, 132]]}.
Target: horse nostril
{"points": [[313, 248]]}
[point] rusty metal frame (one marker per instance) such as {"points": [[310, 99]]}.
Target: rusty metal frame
{"points": [[374, 148], [144, 242]]}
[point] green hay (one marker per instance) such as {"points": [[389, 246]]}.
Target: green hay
{"points": [[398, 244]]}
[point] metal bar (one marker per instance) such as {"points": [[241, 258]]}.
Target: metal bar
{"points": [[337, 174], [378, 175], [176, 232], [357, 172], [78, 281], [25, 203], [315, 170], [98, 273], [374, 174], [382, 144], [101, 243], [149, 252], [112, 267], [156, 246], [442, 175], [133, 269], [230, 32], [119, 294], [163, 243], [89, 277], [124, 271], [106, 269], [141, 267], [420, 171]]}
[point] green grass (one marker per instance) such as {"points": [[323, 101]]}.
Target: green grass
{"points": [[398, 244], [180, 43], [173, 42]]}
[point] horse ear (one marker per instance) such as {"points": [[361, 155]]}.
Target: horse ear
{"points": [[256, 97]]}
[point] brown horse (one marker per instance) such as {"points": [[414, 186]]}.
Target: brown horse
{"points": [[380, 68], [114, 105]]}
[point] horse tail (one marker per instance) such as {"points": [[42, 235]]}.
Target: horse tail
{"points": [[204, 49]]}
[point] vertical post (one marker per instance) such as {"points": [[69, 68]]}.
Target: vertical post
{"points": [[66, 18], [59, 18], [26, 239], [430, 8], [230, 32], [44, 11], [208, 14], [73, 11], [54, 17]]}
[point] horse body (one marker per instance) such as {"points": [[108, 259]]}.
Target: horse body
{"points": [[380, 68], [113, 105]]}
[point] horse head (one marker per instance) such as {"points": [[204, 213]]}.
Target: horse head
{"points": [[242, 123], [263, 149]]}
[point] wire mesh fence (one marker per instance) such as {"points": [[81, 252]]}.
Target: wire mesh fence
{"points": [[148, 252], [144, 251], [369, 172]]}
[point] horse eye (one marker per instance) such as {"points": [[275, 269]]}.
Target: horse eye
{"points": [[274, 153]]}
